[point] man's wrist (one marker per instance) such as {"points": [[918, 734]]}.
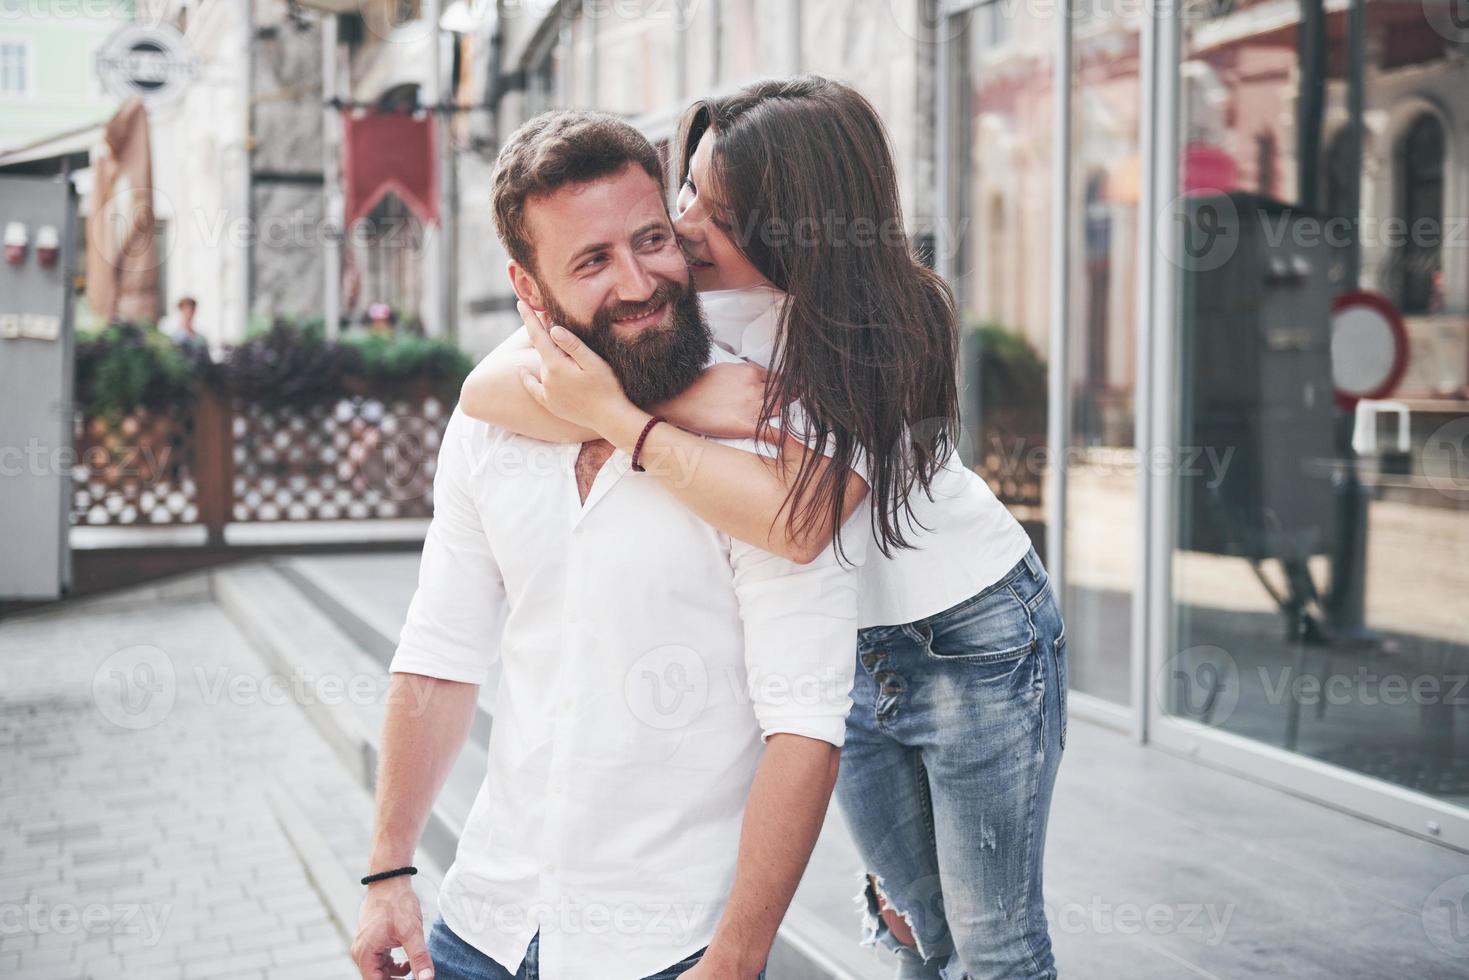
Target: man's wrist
{"points": [[388, 854], [732, 960]]}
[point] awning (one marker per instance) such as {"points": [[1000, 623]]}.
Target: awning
{"points": [[75, 144]]}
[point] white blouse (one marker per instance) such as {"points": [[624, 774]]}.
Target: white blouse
{"points": [[965, 538]]}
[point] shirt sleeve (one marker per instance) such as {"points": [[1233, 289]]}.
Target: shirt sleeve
{"points": [[800, 628], [457, 614], [797, 414]]}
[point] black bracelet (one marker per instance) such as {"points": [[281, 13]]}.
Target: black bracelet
{"points": [[389, 874]]}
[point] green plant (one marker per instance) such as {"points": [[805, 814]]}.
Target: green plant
{"points": [[288, 364], [125, 366], [405, 356], [1010, 373], [293, 362]]}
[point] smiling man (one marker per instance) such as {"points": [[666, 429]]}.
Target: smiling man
{"points": [[670, 702]]}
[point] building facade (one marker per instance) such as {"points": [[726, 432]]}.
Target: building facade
{"points": [[47, 81]]}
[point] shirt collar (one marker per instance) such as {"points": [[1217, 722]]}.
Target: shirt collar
{"points": [[745, 320]]}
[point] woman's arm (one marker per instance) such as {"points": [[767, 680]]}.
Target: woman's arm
{"points": [[493, 393], [724, 401], [742, 494]]}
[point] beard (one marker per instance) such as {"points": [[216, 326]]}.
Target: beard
{"points": [[658, 362]]}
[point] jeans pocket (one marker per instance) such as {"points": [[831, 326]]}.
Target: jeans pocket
{"points": [[995, 629]]}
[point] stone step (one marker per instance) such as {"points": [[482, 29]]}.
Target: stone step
{"points": [[344, 687]]}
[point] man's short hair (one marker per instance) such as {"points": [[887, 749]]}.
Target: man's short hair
{"points": [[188, 301], [555, 149]]}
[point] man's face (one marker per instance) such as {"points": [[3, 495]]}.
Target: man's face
{"points": [[609, 269]]}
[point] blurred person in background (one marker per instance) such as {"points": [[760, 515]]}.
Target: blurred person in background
{"points": [[380, 318], [180, 327]]}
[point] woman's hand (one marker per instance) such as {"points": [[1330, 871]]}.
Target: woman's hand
{"points": [[574, 383], [724, 401]]}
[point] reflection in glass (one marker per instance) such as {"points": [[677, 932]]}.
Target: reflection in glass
{"points": [[1004, 106], [1324, 540], [1101, 461]]}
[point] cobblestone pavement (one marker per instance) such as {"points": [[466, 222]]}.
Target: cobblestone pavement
{"points": [[139, 743]]}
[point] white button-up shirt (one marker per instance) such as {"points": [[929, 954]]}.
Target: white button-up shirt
{"points": [[643, 659]]}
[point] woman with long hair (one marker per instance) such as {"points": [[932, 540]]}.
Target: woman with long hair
{"points": [[789, 214]]}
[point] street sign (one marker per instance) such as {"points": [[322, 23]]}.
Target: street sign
{"points": [[1369, 347], [150, 61]]}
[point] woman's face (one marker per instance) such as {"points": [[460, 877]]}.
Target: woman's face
{"points": [[705, 229]]}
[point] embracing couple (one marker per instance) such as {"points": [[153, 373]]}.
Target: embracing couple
{"points": [[702, 526]]}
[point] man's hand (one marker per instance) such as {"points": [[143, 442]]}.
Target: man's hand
{"points": [[391, 917], [574, 384]]}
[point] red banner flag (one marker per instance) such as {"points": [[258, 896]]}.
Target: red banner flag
{"points": [[390, 151]]}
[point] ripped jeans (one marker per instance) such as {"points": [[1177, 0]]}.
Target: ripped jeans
{"points": [[956, 731]]}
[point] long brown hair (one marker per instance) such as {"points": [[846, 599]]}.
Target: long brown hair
{"points": [[868, 341]]}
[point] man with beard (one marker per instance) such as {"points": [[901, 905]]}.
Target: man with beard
{"points": [[670, 701]]}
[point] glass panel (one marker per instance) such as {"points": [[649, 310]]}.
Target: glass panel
{"points": [[1324, 383], [1101, 504], [1004, 106]]}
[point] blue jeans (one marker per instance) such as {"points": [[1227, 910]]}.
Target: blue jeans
{"points": [[956, 731], [455, 959]]}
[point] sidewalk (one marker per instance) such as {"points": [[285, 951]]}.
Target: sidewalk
{"points": [[198, 823], [148, 798]]}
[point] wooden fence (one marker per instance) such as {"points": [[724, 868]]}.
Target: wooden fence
{"points": [[218, 458]]}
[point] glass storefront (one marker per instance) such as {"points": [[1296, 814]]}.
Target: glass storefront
{"points": [[1322, 536], [1309, 445]]}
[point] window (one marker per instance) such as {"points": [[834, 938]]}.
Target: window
{"points": [[1421, 164], [15, 68]]}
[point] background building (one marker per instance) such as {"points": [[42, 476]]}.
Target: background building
{"points": [[47, 81]]}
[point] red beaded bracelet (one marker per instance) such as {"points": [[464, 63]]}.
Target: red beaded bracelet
{"points": [[637, 450]]}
